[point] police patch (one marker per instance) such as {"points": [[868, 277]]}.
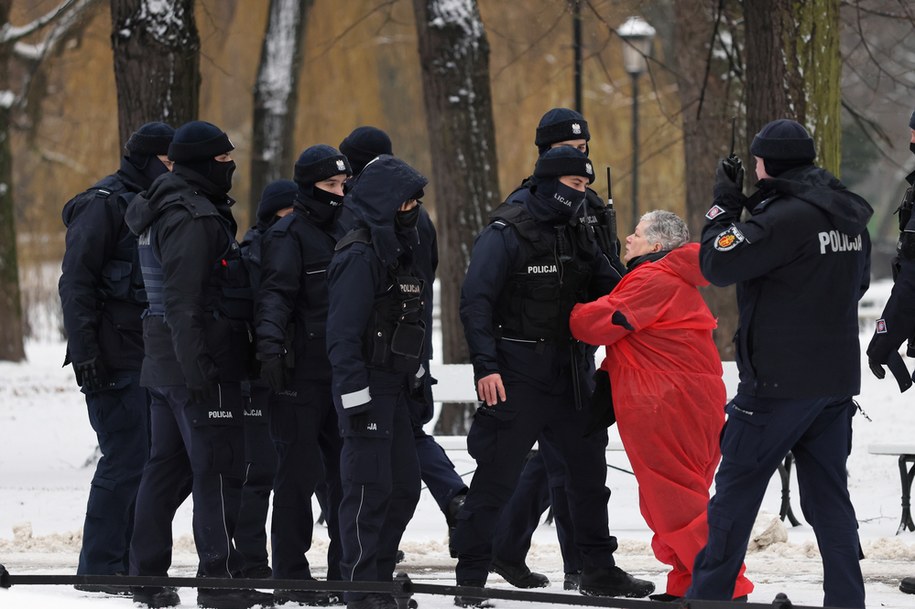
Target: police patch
{"points": [[881, 326], [729, 239], [714, 212], [341, 166], [576, 129]]}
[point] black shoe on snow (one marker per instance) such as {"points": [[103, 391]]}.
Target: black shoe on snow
{"points": [[227, 598], [464, 600], [258, 572], [104, 589], [664, 597], [907, 585], [612, 581], [310, 598], [399, 557], [571, 581], [519, 575], [156, 596]]}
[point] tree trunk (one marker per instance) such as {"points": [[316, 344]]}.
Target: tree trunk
{"points": [[11, 327], [710, 96], [156, 62], [454, 54], [275, 96]]}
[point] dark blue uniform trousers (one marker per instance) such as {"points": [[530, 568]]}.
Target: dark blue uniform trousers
{"points": [[542, 485], [307, 442], [436, 469], [260, 466], [499, 440], [120, 418], [380, 474], [196, 449], [757, 435]]}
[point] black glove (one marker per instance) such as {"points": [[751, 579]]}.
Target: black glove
{"points": [[728, 189], [273, 372], [92, 375], [203, 393], [733, 169], [602, 414], [877, 368]]}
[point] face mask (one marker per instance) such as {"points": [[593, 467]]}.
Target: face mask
{"points": [[154, 168], [326, 197], [407, 219], [220, 174]]}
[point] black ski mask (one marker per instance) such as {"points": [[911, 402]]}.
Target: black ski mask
{"points": [[407, 219], [322, 206], [560, 199], [218, 173]]}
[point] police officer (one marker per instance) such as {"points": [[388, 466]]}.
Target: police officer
{"points": [[375, 341], [542, 482], [897, 323], [196, 329], [800, 262], [102, 295], [291, 322], [260, 458], [529, 267], [436, 469]]}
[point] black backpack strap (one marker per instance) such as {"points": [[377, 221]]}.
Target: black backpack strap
{"points": [[357, 235]]}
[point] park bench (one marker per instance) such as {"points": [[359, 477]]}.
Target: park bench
{"points": [[906, 459], [455, 384]]}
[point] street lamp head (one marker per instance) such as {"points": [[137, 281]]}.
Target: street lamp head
{"points": [[637, 36]]}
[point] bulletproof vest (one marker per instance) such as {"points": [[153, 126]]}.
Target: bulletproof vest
{"points": [[228, 289], [552, 277], [122, 279], [395, 337]]}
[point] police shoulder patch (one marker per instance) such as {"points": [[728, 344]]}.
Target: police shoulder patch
{"points": [[728, 239], [881, 326], [714, 212]]}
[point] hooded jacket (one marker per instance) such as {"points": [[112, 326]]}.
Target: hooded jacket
{"points": [[360, 273], [205, 291], [801, 262]]}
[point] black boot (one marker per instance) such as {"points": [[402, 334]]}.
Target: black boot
{"points": [[310, 598], [572, 581], [471, 601], [907, 585], [454, 508], [519, 575], [155, 596], [612, 581], [227, 598]]}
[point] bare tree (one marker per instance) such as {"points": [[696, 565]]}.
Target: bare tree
{"points": [[56, 25], [454, 54], [156, 62], [275, 95]]}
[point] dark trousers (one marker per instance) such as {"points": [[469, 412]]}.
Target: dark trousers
{"points": [[120, 418], [196, 449], [380, 474], [757, 435], [307, 444], [541, 486], [436, 469], [260, 466], [499, 440]]}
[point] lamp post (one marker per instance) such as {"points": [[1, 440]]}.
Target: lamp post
{"points": [[637, 35]]}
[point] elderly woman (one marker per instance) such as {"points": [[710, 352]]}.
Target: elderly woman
{"points": [[668, 395]]}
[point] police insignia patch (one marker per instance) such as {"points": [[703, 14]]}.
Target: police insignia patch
{"points": [[729, 239], [714, 212], [881, 326]]}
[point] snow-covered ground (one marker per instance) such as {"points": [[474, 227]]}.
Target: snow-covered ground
{"points": [[46, 446]]}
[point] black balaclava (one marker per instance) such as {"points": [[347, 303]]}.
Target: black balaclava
{"points": [[145, 145], [317, 163], [562, 200], [783, 144], [194, 148]]}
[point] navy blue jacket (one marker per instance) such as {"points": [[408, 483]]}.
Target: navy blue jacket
{"points": [[497, 256], [205, 291], [101, 287], [801, 262], [361, 273]]}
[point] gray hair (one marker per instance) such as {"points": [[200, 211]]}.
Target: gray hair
{"points": [[666, 228]]}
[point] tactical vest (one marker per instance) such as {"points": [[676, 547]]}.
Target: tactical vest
{"points": [[395, 337], [552, 277], [228, 290]]}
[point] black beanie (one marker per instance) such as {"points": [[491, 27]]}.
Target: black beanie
{"points": [[320, 162], [563, 161], [363, 145], [197, 141], [277, 195], [912, 121], [152, 139], [560, 125], [784, 141]]}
